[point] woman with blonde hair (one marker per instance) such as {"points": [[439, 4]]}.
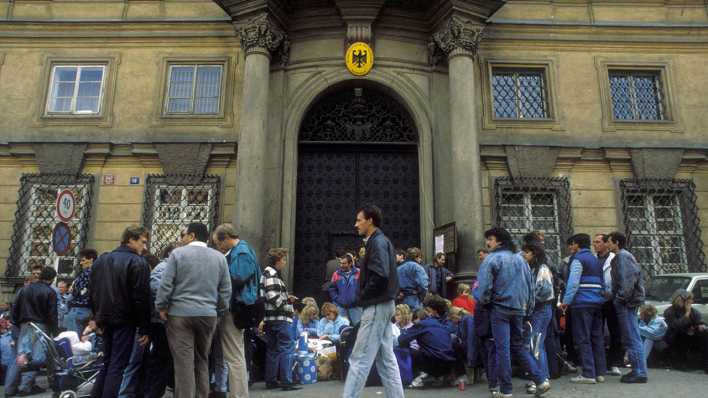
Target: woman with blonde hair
{"points": [[308, 320], [331, 323]]}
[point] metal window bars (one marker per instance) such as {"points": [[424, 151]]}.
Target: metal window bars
{"points": [[527, 204], [637, 96], [35, 219], [173, 201], [519, 93], [662, 225]]}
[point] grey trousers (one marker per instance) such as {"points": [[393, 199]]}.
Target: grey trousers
{"points": [[232, 343], [190, 342]]}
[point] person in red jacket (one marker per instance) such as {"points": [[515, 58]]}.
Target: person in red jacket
{"points": [[463, 299]]}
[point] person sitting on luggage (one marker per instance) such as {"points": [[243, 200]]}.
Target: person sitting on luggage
{"points": [[464, 300], [331, 324], [652, 328], [308, 321], [436, 356]]}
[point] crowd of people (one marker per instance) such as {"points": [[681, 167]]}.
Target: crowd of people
{"points": [[187, 319]]}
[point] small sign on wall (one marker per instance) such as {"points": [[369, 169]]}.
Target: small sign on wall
{"points": [[134, 180], [109, 179]]}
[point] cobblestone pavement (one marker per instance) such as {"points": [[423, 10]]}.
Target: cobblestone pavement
{"points": [[662, 384]]}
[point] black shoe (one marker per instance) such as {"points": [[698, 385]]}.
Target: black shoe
{"points": [[272, 386], [633, 379], [290, 387]]}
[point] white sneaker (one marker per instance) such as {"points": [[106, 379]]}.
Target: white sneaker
{"points": [[582, 380], [542, 388], [614, 371], [497, 394], [531, 388], [418, 381], [600, 379]]}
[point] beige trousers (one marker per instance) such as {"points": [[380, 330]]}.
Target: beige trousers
{"points": [[190, 343], [232, 344]]}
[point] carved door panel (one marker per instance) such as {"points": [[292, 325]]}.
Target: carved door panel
{"points": [[332, 184]]}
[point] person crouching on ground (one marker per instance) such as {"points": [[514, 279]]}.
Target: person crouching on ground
{"points": [[686, 331], [278, 319], [436, 356]]}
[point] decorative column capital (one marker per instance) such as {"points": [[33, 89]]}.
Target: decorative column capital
{"points": [[260, 35], [457, 37]]}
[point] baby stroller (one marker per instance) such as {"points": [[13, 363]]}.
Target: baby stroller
{"points": [[69, 376]]}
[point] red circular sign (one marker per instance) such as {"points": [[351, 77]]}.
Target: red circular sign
{"points": [[66, 205]]}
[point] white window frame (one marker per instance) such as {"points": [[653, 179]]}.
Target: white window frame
{"points": [[74, 96], [158, 220], [649, 214], [195, 67], [51, 259]]}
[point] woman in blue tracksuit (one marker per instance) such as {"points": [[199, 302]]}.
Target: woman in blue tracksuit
{"points": [[535, 256]]}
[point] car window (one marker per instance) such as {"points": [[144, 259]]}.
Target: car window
{"points": [[662, 287], [700, 292]]}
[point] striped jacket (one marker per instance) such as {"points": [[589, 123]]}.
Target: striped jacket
{"points": [[273, 288]]}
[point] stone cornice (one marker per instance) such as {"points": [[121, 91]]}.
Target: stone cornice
{"points": [[359, 16], [261, 34], [459, 36]]}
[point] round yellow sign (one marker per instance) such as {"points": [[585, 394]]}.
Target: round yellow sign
{"points": [[359, 58]]}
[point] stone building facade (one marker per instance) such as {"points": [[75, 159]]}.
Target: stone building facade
{"points": [[560, 116]]}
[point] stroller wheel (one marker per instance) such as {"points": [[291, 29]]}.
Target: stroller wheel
{"points": [[68, 394]]}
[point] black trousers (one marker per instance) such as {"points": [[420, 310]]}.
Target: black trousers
{"points": [[615, 354], [117, 346], [682, 344], [159, 370], [430, 365]]}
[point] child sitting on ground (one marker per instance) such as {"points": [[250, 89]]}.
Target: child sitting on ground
{"points": [[308, 320], [463, 299]]}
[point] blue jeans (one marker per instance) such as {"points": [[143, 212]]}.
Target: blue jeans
{"points": [[279, 358], [353, 314], [29, 343], [118, 344], [76, 319], [12, 373], [508, 331], [374, 343], [540, 319], [489, 359], [589, 337], [632, 342], [131, 374]]}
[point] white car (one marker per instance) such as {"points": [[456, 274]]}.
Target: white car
{"points": [[661, 287]]}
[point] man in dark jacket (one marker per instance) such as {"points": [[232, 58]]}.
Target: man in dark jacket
{"points": [[121, 303], [686, 330], [628, 294], [344, 289], [36, 303], [378, 286]]}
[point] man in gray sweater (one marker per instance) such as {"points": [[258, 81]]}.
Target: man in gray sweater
{"points": [[195, 289]]}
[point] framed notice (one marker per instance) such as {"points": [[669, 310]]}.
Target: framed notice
{"points": [[445, 237]]}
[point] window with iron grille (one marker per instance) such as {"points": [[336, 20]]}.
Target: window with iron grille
{"points": [[76, 89], [529, 204], [637, 95], [519, 93], [172, 202], [36, 218], [194, 89], [662, 225]]}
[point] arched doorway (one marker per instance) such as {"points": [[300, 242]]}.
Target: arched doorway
{"points": [[357, 145]]}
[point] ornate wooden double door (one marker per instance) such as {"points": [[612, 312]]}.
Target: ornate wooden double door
{"points": [[357, 146]]}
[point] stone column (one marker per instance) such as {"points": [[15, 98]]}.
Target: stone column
{"points": [[260, 39], [458, 40]]}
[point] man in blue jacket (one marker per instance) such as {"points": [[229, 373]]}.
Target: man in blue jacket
{"points": [[628, 295], [436, 356], [412, 279], [344, 289], [505, 283], [378, 286], [584, 293], [245, 277]]}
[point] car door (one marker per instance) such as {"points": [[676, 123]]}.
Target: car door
{"points": [[700, 297]]}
